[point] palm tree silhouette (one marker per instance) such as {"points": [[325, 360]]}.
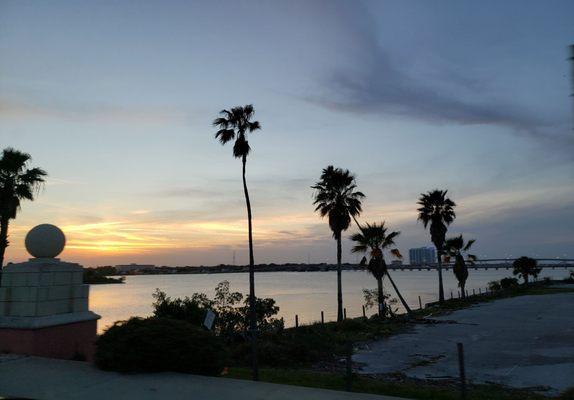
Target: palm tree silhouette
{"points": [[17, 183], [234, 124], [336, 197], [456, 247], [375, 240], [525, 267], [438, 210]]}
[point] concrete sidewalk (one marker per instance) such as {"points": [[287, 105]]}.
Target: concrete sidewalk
{"points": [[47, 379]]}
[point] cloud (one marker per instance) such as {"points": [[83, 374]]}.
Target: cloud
{"points": [[371, 83], [91, 112]]}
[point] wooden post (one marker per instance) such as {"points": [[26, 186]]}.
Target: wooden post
{"points": [[345, 313], [349, 369], [364, 313], [462, 371], [296, 321], [322, 317], [451, 295], [420, 303], [473, 292]]}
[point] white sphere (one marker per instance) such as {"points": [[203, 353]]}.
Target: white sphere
{"points": [[45, 241]]}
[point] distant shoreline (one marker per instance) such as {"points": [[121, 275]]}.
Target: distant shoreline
{"points": [[323, 267], [227, 269]]}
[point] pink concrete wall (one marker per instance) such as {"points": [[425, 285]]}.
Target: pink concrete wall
{"points": [[62, 341]]}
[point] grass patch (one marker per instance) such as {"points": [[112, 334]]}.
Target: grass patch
{"points": [[409, 388], [309, 344]]}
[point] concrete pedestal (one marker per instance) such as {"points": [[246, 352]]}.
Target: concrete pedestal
{"points": [[44, 310]]}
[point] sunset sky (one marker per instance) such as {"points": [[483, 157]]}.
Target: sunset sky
{"points": [[115, 100]]}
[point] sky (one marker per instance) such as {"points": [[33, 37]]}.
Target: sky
{"points": [[115, 101]]}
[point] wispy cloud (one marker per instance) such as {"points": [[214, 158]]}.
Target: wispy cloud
{"points": [[90, 112], [372, 83]]}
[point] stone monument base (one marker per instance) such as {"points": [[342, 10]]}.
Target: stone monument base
{"points": [[64, 336]]}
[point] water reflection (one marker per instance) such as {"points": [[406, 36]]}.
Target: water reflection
{"points": [[302, 293]]}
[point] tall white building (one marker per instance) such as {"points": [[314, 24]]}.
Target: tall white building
{"points": [[422, 256]]}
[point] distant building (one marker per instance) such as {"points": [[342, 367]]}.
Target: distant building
{"points": [[132, 268], [422, 256]]}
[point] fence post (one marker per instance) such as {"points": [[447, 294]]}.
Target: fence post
{"points": [[364, 313], [322, 317], [473, 292], [345, 313], [349, 368], [462, 371], [451, 295], [420, 303], [296, 321]]}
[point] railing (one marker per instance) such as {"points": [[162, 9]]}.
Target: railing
{"points": [[493, 263]]}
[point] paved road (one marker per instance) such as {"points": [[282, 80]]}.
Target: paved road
{"points": [[522, 342], [48, 379]]}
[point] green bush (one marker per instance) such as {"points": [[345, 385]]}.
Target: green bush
{"points": [[187, 309], [494, 286], [507, 283], [231, 310], [159, 344]]}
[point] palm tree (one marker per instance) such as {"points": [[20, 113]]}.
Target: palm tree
{"points": [[17, 183], [456, 247], [438, 210], [374, 239], [336, 197], [234, 124], [525, 267]]}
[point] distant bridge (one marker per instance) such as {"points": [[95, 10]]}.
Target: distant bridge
{"points": [[492, 264]]}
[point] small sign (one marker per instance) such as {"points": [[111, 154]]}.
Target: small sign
{"points": [[209, 319]]}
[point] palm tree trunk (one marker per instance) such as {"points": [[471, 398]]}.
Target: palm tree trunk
{"points": [[252, 299], [3, 242], [381, 297], [440, 286], [339, 281], [403, 302]]}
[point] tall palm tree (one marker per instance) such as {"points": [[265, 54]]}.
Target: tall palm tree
{"points": [[438, 210], [235, 124], [336, 197], [17, 183], [456, 247], [375, 240]]}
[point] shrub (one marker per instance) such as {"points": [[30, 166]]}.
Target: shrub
{"points": [[187, 309], [230, 308], [494, 286], [159, 344], [507, 283]]}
